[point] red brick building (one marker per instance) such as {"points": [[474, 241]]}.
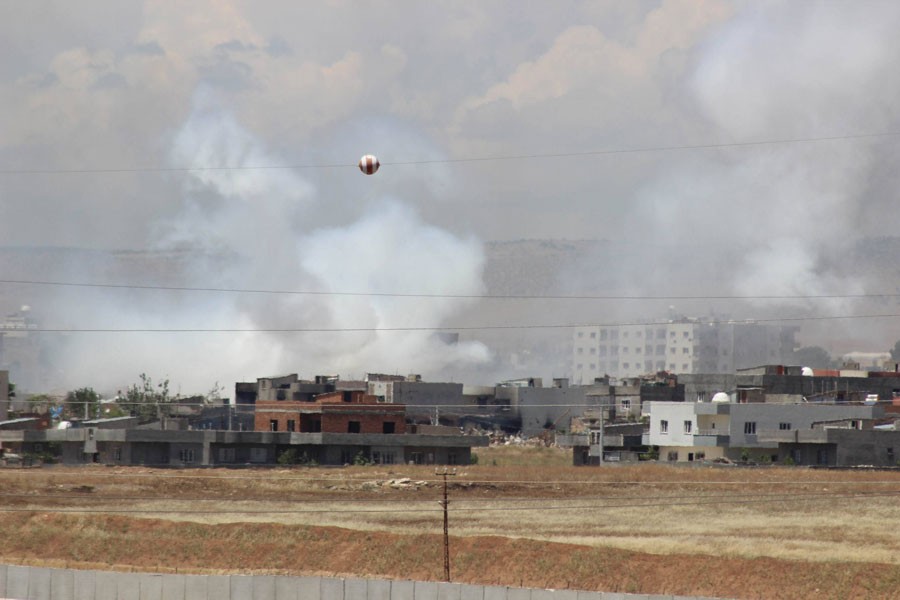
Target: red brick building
{"points": [[345, 411]]}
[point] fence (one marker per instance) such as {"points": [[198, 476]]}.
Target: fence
{"points": [[33, 583]]}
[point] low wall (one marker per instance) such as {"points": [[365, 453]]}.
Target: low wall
{"points": [[33, 583]]}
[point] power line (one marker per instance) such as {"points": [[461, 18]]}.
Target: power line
{"points": [[280, 478], [474, 159], [349, 501], [784, 498], [433, 328], [448, 296]]}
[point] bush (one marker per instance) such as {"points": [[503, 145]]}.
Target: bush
{"points": [[473, 459], [288, 457]]}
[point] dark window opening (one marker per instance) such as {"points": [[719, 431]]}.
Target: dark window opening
{"points": [[353, 427], [291, 425], [388, 427], [273, 425]]}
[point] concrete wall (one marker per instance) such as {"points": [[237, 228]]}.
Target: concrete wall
{"points": [[541, 406], [32, 583]]}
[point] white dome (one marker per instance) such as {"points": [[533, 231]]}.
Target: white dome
{"points": [[807, 372], [64, 425], [721, 397]]}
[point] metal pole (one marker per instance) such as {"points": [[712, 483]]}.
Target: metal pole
{"points": [[446, 533], [601, 434], [445, 503]]}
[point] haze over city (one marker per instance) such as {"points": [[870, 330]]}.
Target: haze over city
{"points": [[712, 149]]}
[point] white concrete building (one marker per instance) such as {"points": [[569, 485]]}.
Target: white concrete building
{"points": [[689, 431], [677, 346]]}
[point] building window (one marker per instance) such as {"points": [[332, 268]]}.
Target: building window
{"points": [[273, 425], [660, 349], [625, 365], [593, 335], [701, 396], [688, 426], [593, 366], [664, 426], [685, 350], [673, 456], [626, 404], [388, 427], [291, 425], [581, 351], [186, 456], [890, 455], [593, 351], [580, 334], [686, 335], [353, 427], [117, 453], [602, 334], [660, 334], [784, 426], [750, 428]]}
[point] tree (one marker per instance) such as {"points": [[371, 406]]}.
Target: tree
{"points": [[895, 352], [83, 402], [146, 400]]}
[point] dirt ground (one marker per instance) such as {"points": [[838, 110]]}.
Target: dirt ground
{"points": [[737, 533]]}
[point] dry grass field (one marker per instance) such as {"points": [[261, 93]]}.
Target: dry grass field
{"points": [[522, 516]]}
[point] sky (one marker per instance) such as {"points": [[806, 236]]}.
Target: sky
{"points": [[118, 116]]}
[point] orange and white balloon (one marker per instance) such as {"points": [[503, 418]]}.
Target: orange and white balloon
{"points": [[369, 164]]}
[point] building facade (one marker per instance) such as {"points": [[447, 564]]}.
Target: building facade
{"points": [[683, 345], [690, 431]]}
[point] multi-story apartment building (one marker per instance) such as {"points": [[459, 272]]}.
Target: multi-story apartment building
{"points": [[689, 431], [682, 345]]}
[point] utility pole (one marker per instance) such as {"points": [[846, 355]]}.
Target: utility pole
{"points": [[444, 503], [600, 436]]}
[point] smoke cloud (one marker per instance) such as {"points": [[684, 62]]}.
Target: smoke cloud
{"points": [[248, 229]]}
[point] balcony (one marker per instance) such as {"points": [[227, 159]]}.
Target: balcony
{"points": [[711, 437]]}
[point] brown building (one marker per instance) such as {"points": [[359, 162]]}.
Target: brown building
{"points": [[345, 411]]}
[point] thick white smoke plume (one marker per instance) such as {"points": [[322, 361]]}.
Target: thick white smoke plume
{"points": [[248, 229], [781, 218]]}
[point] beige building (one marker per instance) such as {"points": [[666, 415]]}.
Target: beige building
{"points": [[682, 345]]}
